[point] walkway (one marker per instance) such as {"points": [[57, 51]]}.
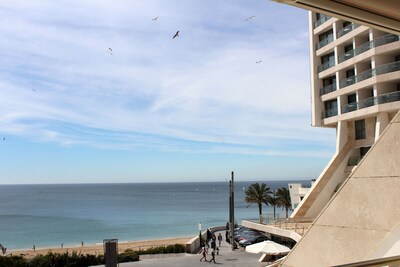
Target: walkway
{"points": [[226, 257]]}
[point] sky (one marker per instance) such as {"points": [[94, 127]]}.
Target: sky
{"points": [[101, 92]]}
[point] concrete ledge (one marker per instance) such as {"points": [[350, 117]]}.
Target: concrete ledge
{"points": [[272, 230], [193, 245]]}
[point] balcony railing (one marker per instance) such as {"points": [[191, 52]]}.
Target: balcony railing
{"points": [[329, 113], [326, 65], [323, 19], [327, 89], [325, 41], [387, 68], [371, 101], [390, 38], [348, 81], [347, 29], [346, 56], [349, 107]]}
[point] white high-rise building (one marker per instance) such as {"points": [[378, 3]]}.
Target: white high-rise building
{"points": [[355, 88]]}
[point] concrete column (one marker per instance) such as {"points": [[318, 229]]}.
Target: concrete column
{"points": [[382, 121], [341, 135]]}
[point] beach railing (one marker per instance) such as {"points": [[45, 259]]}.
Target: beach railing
{"points": [[300, 226]]}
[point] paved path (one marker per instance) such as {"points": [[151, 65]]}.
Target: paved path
{"points": [[226, 257]]}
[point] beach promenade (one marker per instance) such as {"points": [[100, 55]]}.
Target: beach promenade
{"points": [[226, 257]]}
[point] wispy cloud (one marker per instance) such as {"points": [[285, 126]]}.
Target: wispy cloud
{"points": [[201, 92]]}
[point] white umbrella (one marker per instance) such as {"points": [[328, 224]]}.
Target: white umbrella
{"points": [[268, 247]]}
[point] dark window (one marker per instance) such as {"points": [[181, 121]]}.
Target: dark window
{"points": [[329, 81], [350, 73], [346, 23], [326, 35], [332, 104], [351, 98], [360, 129], [328, 58], [348, 48], [364, 150]]}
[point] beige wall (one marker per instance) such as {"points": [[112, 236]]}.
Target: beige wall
{"points": [[361, 219]]}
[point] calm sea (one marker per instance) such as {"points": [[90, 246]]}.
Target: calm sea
{"points": [[48, 215]]}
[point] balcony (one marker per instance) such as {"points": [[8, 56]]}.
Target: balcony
{"points": [[348, 81], [346, 56], [329, 113], [371, 101], [322, 20], [349, 107], [387, 68], [347, 29], [326, 65], [387, 39], [325, 41], [327, 89]]}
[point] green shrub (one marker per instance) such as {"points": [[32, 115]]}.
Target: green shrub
{"points": [[15, 261], [128, 256]]}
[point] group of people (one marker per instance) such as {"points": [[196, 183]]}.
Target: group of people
{"points": [[215, 249]]}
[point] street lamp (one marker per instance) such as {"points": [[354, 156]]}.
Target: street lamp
{"points": [[200, 233]]}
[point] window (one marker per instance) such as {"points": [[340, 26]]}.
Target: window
{"points": [[364, 150], [328, 58], [360, 129], [351, 98], [348, 48], [350, 73], [329, 81]]}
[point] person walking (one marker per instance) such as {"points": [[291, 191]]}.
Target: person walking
{"points": [[204, 253], [219, 239], [212, 256]]}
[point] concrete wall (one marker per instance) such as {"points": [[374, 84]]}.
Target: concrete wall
{"points": [[362, 220], [193, 245]]}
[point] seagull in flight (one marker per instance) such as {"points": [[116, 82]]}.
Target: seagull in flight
{"points": [[249, 18], [176, 35], [110, 51], [33, 89], [155, 18], [258, 61]]}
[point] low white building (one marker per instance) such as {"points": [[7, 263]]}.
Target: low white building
{"points": [[297, 193]]}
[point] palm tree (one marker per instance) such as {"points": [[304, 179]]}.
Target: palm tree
{"points": [[283, 199], [257, 193]]}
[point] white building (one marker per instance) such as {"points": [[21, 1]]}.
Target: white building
{"points": [[355, 89]]}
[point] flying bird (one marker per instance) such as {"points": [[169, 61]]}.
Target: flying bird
{"points": [[249, 18], [110, 49], [4, 139], [258, 61], [33, 89], [176, 35], [155, 19]]}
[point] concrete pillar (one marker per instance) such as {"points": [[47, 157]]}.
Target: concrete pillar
{"points": [[382, 121]]}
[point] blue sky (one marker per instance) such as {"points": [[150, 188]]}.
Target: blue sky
{"points": [[157, 109]]}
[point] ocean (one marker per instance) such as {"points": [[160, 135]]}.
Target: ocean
{"points": [[48, 215]]}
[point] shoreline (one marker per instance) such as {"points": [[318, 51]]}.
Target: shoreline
{"points": [[97, 249]]}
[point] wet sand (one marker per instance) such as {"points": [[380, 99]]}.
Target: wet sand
{"points": [[98, 249]]}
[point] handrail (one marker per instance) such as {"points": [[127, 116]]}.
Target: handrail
{"points": [[373, 263], [382, 40], [382, 69]]}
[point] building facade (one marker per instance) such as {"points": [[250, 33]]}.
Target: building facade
{"points": [[355, 89]]}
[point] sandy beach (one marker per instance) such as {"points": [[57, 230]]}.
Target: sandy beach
{"points": [[98, 249]]}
